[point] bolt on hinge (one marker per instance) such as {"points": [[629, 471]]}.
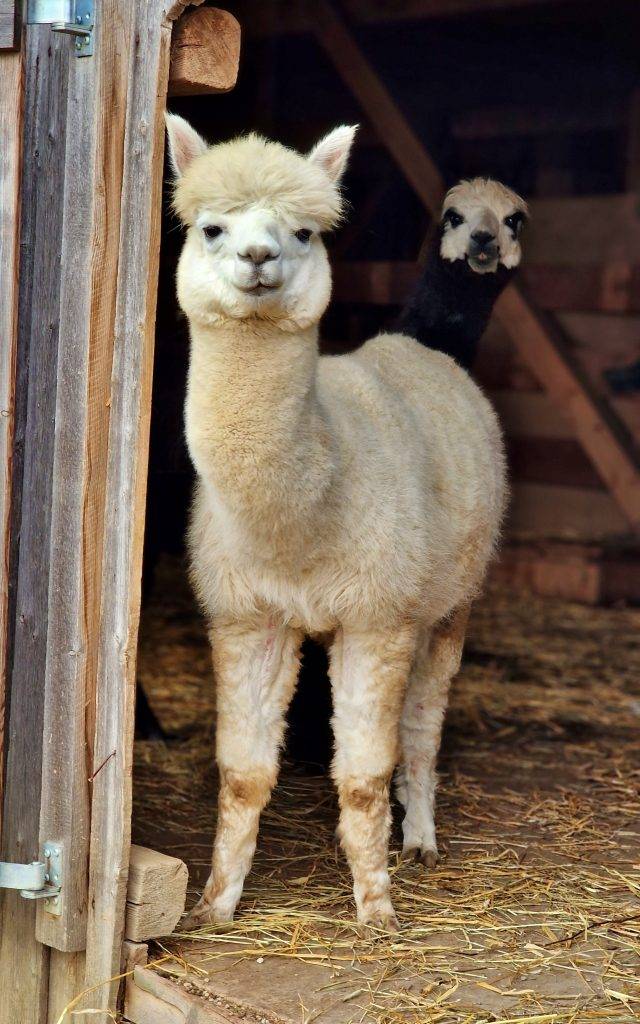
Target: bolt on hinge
{"points": [[40, 880], [72, 17]]}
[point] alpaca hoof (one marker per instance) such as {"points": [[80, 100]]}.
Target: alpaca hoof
{"points": [[381, 920], [379, 915], [204, 914], [423, 855]]}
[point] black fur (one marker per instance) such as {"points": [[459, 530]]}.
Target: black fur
{"points": [[451, 305]]}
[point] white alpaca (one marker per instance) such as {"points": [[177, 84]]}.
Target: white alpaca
{"points": [[357, 496]]}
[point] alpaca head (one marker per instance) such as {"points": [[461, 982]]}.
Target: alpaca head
{"points": [[254, 212], [481, 224]]}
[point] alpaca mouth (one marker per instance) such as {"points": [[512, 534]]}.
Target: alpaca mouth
{"points": [[259, 288], [483, 262]]}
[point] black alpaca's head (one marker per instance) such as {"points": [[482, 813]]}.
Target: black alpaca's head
{"points": [[481, 224]]}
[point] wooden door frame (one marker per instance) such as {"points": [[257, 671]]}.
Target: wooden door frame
{"points": [[73, 478]]}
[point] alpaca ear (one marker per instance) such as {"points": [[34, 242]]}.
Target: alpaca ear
{"points": [[184, 143], [332, 152]]}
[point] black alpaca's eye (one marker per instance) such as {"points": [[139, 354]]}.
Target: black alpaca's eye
{"points": [[514, 222], [304, 234], [452, 217], [212, 231]]}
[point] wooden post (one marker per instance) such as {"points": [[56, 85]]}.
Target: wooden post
{"points": [[11, 95], [130, 404], [46, 62], [603, 436]]}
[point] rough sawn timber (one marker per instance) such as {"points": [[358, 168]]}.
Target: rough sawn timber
{"points": [[155, 895], [130, 404], [205, 52]]}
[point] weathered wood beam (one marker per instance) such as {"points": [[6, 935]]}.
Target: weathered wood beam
{"points": [[11, 97], [10, 11], [46, 63], [394, 130], [603, 436], [125, 491], [205, 52], [155, 895]]}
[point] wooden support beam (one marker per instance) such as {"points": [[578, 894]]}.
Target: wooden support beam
{"points": [[602, 434], [205, 52], [394, 130], [156, 894]]}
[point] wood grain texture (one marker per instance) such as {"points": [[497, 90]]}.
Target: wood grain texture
{"points": [[139, 246], [11, 96], [153, 999], [46, 81], [155, 895], [9, 25], [89, 246], [205, 53]]}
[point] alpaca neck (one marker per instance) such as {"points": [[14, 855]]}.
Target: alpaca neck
{"points": [[254, 427], [451, 305]]}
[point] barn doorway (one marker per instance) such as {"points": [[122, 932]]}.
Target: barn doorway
{"points": [[534, 787]]}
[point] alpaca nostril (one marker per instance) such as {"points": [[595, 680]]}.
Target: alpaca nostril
{"points": [[259, 254]]}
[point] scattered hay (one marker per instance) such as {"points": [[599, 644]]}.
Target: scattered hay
{"points": [[533, 914]]}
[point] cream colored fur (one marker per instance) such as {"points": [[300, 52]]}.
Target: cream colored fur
{"points": [[359, 496]]}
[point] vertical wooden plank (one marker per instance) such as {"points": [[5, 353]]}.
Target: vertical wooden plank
{"points": [[91, 200], [125, 499], [46, 63], [11, 95]]}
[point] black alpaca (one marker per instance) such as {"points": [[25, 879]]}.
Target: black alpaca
{"points": [[472, 258], [451, 305]]}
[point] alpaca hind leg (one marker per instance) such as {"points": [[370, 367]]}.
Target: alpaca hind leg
{"points": [[437, 662], [368, 677], [255, 666]]}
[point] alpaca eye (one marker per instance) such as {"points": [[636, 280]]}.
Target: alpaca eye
{"points": [[304, 234], [212, 231], [453, 218], [514, 222]]}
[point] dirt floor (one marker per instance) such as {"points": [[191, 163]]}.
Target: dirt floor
{"points": [[533, 913]]}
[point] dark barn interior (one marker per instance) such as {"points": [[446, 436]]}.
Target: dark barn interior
{"points": [[544, 96]]}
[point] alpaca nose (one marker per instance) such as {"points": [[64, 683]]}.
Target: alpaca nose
{"points": [[259, 253], [483, 238]]}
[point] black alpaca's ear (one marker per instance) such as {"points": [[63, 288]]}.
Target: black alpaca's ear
{"points": [[184, 143]]}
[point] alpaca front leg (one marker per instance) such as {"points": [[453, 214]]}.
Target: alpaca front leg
{"points": [[255, 666], [436, 663], [368, 676]]}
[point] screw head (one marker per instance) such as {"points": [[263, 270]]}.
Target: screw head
{"points": [[47, 851], [46, 876], [78, 19]]}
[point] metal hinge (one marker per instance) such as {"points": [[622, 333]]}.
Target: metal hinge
{"points": [[75, 17], [41, 880]]}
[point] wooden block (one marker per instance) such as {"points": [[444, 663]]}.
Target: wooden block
{"points": [[205, 52], [156, 894]]}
